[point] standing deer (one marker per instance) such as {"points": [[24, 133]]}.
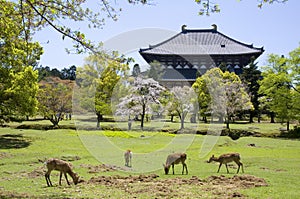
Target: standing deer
{"points": [[63, 167], [173, 159], [226, 158], [128, 156]]}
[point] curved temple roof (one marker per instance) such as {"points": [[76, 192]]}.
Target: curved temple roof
{"points": [[201, 42]]}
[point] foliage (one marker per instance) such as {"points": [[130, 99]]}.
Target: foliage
{"points": [[208, 6], [55, 99], [16, 48], [18, 94], [156, 71], [97, 80], [65, 73], [136, 71], [221, 94], [280, 86], [36, 15], [142, 93], [18, 55], [250, 77], [203, 96], [182, 102]]}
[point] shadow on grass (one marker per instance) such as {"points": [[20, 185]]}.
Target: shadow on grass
{"points": [[9, 141]]}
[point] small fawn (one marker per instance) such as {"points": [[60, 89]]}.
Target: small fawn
{"points": [[128, 156], [226, 158], [173, 159], [63, 167]]}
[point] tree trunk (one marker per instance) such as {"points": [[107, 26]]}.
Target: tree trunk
{"points": [[272, 115], [227, 122], [288, 125], [99, 119], [251, 116], [181, 121], [143, 116], [172, 118]]}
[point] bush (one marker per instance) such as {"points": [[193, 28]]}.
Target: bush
{"points": [[294, 133]]}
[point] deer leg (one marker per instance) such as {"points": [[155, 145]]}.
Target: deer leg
{"points": [[47, 176], [241, 164], [219, 167], [184, 166], [173, 168], [60, 178], [227, 168], [66, 178]]}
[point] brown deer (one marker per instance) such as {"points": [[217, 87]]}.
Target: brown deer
{"points": [[127, 157], [63, 167], [226, 158], [173, 159]]}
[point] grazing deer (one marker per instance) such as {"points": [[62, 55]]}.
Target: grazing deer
{"points": [[128, 156], [173, 159], [63, 167], [226, 158]]}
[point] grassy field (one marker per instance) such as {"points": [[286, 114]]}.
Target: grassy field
{"points": [[277, 161]]}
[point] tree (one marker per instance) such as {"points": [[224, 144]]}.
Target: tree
{"points": [[182, 102], [69, 73], [202, 92], [18, 56], [250, 77], [280, 86], [156, 71], [142, 94], [222, 94], [136, 71], [55, 99], [237, 99], [208, 6], [97, 80]]}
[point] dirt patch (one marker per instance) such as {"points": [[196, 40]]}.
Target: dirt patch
{"points": [[38, 172], [241, 181], [276, 170], [4, 155], [214, 186], [103, 168]]}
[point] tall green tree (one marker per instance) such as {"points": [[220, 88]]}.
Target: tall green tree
{"points": [[221, 94], [97, 80], [250, 77], [18, 55], [280, 86]]}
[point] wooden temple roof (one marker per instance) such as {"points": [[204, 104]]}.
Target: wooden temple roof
{"points": [[201, 42]]}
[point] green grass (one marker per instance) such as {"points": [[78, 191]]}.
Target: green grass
{"points": [[275, 160]]}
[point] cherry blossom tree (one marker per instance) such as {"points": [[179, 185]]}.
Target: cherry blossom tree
{"points": [[182, 102], [141, 95]]}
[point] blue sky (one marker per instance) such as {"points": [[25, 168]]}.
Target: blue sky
{"points": [[275, 27]]}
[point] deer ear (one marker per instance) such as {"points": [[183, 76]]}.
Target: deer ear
{"points": [[213, 156]]}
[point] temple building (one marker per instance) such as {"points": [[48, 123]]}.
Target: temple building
{"points": [[192, 52]]}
